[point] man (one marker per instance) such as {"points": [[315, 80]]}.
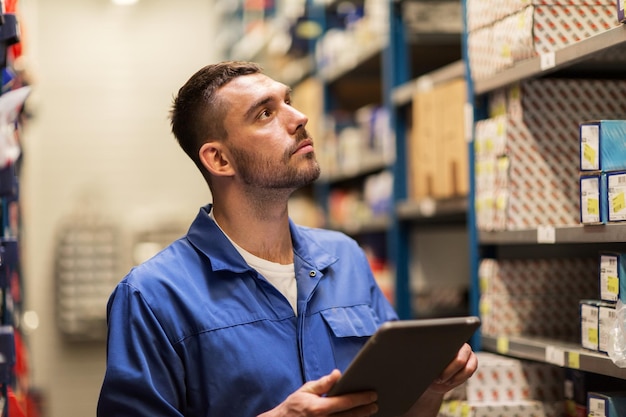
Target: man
{"points": [[248, 314]]}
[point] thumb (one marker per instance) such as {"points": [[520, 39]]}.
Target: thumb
{"points": [[323, 385]]}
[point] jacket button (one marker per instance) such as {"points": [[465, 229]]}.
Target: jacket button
{"points": [[312, 274]]}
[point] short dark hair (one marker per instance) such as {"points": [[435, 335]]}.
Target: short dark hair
{"points": [[197, 114]]}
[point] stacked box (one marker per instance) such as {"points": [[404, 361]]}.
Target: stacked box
{"points": [[597, 316], [602, 155], [526, 408], [502, 379], [504, 32], [594, 208], [437, 150], [504, 386], [603, 145], [613, 276], [616, 196], [579, 383], [527, 160], [534, 297], [606, 404]]}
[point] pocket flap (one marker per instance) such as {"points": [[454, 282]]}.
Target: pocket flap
{"points": [[353, 321]]}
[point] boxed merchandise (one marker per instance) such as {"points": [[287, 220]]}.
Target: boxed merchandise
{"points": [[438, 157], [620, 11], [596, 320], [612, 276], [593, 200], [539, 28], [502, 379], [526, 408], [603, 145], [606, 321], [616, 196], [535, 297], [578, 383], [606, 404], [527, 162]]}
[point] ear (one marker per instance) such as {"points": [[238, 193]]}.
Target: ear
{"points": [[215, 160]]}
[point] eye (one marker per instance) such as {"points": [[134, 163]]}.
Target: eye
{"points": [[265, 114]]}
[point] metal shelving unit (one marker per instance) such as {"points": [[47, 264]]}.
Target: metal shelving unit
{"points": [[560, 59], [584, 57], [609, 233], [554, 352]]}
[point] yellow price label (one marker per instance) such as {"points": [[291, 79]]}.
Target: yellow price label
{"points": [[589, 154], [612, 285], [619, 203], [592, 335], [573, 360], [502, 345], [593, 206]]}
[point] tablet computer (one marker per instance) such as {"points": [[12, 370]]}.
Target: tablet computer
{"points": [[403, 358]]}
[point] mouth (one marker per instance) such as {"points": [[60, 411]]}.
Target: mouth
{"points": [[305, 146]]}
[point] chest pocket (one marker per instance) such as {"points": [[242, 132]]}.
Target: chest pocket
{"points": [[350, 328]]}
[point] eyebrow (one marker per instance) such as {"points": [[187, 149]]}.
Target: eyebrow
{"points": [[262, 102]]}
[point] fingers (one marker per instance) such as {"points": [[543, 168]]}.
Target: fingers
{"points": [[460, 369], [323, 385], [356, 404]]}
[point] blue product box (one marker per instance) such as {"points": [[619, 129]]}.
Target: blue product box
{"points": [[620, 11], [616, 196], [593, 199], [602, 145], [606, 404]]}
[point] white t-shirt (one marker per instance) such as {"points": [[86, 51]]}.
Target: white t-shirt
{"points": [[283, 277]]}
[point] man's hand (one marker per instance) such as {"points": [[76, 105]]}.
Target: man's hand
{"points": [[457, 372], [309, 401]]}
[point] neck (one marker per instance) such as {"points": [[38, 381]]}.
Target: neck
{"points": [[261, 229]]}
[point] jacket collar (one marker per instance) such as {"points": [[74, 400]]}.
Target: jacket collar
{"points": [[208, 238]]}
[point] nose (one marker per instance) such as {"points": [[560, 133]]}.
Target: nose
{"points": [[297, 119]]}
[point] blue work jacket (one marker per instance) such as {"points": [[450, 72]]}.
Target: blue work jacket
{"points": [[195, 331]]}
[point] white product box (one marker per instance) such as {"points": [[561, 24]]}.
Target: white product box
{"points": [[606, 321], [612, 276], [593, 202], [616, 196], [603, 145], [589, 336]]}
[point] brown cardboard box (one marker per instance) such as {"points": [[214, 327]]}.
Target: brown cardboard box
{"points": [[424, 146], [437, 148], [455, 171]]}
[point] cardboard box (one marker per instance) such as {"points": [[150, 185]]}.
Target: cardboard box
{"points": [[500, 379], [452, 97], [593, 202], [438, 149], [527, 162], [578, 383], [606, 321], [603, 145], [606, 404], [589, 335], [612, 276], [596, 321], [424, 146], [498, 41], [616, 196]]}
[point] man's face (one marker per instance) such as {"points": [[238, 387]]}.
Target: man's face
{"points": [[269, 145]]}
